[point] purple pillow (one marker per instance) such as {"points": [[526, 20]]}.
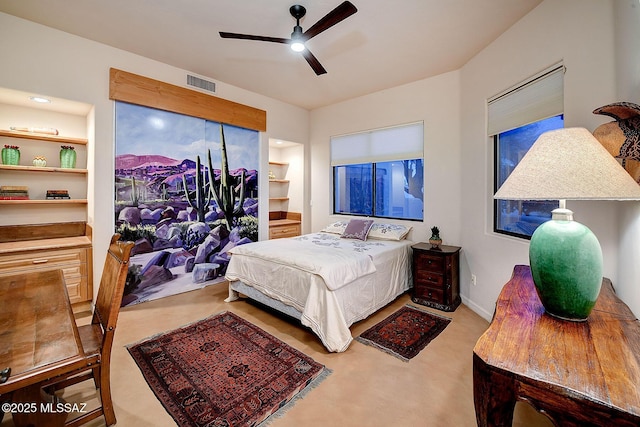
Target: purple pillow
{"points": [[357, 229]]}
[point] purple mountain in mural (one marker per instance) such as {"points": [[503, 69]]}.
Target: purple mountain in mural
{"points": [[132, 161], [154, 176]]}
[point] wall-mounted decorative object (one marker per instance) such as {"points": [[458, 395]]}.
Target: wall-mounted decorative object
{"points": [[435, 239], [40, 161], [11, 155], [67, 157], [621, 138]]}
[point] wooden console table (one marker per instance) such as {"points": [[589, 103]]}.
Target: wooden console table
{"points": [[576, 373]]}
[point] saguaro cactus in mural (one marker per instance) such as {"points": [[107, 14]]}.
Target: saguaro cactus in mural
{"points": [[202, 197], [228, 195], [135, 196]]}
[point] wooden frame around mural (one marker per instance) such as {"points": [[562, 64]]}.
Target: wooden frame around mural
{"points": [[135, 89]]}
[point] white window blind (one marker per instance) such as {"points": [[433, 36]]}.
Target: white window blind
{"points": [[539, 98], [402, 142]]}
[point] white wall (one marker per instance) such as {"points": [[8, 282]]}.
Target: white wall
{"points": [[581, 33], [436, 102], [49, 62], [627, 49]]}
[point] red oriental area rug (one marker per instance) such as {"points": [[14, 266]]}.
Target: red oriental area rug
{"points": [[405, 333], [224, 371]]}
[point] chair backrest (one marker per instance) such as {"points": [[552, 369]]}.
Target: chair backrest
{"points": [[114, 276]]}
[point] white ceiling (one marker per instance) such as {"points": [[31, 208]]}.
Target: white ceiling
{"points": [[385, 44]]}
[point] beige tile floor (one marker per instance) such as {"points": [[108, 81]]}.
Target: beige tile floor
{"points": [[366, 388]]}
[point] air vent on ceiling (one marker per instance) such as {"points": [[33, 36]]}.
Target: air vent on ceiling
{"points": [[200, 83]]}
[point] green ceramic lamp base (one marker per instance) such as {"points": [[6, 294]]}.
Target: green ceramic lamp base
{"points": [[566, 265]]}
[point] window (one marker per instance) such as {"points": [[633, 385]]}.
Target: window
{"points": [[516, 119], [517, 217], [379, 173]]}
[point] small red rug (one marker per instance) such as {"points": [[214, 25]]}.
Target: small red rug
{"points": [[224, 371], [405, 333]]}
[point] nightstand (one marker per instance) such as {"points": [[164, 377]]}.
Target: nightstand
{"points": [[436, 276]]}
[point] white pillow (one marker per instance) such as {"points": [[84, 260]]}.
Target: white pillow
{"points": [[336, 228], [388, 231]]}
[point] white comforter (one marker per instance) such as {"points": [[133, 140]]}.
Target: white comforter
{"points": [[332, 282]]}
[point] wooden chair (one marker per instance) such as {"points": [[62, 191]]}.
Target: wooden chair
{"points": [[97, 337]]}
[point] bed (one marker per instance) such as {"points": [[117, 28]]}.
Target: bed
{"points": [[329, 279]]}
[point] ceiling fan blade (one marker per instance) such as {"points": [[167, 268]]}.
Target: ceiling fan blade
{"points": [[250, 37], [340, 13], [313, 61]]}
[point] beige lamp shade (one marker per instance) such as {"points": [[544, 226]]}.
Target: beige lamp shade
{"points": [[568, 164]]}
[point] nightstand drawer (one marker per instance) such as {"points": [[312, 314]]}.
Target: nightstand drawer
{"points": [[429, 294], [429, 277], [429, 262]]}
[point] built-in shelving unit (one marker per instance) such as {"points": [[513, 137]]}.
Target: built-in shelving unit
{"points": [[36, 232], [285, 182], [14, 171], [279, 170]]}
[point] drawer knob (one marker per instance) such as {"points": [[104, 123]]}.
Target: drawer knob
{"points": [[40, 261]]}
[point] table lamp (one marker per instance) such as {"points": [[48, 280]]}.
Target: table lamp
{"points": [[565, 256]]}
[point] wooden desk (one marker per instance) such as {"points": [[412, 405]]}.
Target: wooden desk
{"points": [[577, 373], [39, 339]]}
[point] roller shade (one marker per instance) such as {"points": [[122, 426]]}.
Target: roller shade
{"points": [[381, 145], [539, 98]]}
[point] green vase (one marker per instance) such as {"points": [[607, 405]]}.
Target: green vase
{"points": [[566, 265], [67, 158], [10, 156]]}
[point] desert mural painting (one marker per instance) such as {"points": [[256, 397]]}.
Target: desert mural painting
{"points": [[186, 192]]}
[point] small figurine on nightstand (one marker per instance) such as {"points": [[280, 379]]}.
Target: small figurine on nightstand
{"points": [[435, 239]]}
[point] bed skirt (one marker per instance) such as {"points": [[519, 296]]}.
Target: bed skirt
{"points": [[239, 287]]}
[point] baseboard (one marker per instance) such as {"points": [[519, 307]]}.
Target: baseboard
{"points": [[477, 309]]}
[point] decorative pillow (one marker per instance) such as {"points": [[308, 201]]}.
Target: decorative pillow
{"points": [[357, 229], [335, 228], [388, 231]]}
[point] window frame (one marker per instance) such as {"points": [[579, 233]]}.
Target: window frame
{"points": [[373, 193]]}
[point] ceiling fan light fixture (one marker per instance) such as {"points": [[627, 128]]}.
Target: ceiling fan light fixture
{"points": [[297, 46], [297, 39]]}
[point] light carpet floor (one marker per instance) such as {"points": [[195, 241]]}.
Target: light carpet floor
{"points": [[367, 387]]}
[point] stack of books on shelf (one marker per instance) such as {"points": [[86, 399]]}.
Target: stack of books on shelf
{"points": [[57, 194], [14, 192]]}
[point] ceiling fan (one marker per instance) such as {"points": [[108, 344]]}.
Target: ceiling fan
{"points": [[298, 38]]}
